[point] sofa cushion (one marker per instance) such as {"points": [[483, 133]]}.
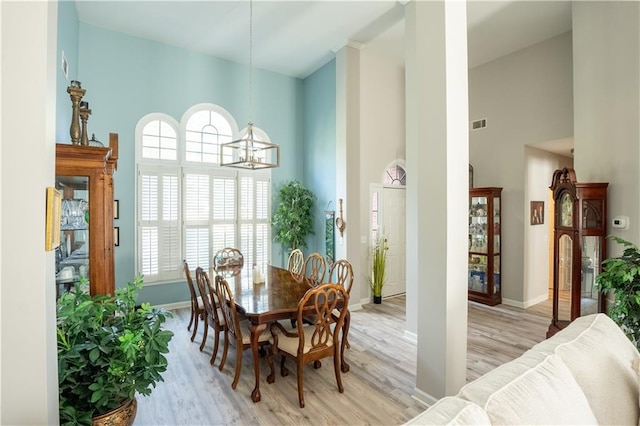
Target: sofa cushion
{"points": [[452, 411], [599, 356], [520, 393]]}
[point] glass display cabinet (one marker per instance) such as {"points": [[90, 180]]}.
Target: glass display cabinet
{"points": [[580, 229], [484, 245], [84, 175]]}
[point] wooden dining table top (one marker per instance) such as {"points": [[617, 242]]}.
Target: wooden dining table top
{"points": [[276, 298]]}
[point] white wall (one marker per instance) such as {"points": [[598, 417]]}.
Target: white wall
{"points": [[539, 168], [27, 285], [382, 131], [526, 98], [606, 53]]}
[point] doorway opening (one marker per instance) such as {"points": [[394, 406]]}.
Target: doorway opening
{"points": [[388, 216]]}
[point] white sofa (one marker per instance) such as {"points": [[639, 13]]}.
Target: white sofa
{"points": [[582, 375]]}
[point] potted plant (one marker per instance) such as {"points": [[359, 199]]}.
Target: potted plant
{"points": [[293, 219], [378, 267], [109, 349], [621, 276]]}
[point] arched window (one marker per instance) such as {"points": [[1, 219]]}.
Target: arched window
{"points": [[395, 174], [157, 138], [206, 127], [188, 206]]}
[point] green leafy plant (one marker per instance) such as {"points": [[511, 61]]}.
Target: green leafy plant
{"points": [[621, 275], [378, 264], [109, 349], [293, 219]]}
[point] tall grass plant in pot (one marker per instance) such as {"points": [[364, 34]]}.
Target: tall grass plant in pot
{"points": [[109, 350], [378, 266]]}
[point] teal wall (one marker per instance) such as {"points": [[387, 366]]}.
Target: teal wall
{"points": [[67, 42], [320, 147], [128, 77]]}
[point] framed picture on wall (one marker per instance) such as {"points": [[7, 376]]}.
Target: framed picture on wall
{"points": [[52, 219], [537, 212]]}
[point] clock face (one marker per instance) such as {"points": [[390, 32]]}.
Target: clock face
{"points": [[566, 211]]}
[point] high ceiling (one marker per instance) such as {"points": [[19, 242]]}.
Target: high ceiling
{"points": [[297, 37]]}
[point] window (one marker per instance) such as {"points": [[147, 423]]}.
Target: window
{"points": [[395, 175], [375, 216], [188, 207]]}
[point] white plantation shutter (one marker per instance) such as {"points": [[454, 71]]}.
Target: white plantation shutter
{"points": [[262, 232], [159, 222], [224, 211], [197, 215], [254, 218]]}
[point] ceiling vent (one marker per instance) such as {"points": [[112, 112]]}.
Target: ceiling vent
{"points": [[479, 124]]}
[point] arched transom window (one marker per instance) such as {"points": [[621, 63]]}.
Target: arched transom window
{"points": [[395, 175]]}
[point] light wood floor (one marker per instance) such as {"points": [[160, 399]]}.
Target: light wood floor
{"points": [[378, 389]]}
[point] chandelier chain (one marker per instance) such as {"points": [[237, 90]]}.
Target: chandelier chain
{"points": [[250, 61]]}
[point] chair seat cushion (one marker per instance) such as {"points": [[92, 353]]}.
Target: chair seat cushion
{"points": [[290, 344], [246, 333], [221, 318]]}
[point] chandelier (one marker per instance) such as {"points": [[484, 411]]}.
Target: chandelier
{"points": [[248, 152]]}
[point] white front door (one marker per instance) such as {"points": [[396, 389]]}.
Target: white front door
{"points": [[393, 220]]}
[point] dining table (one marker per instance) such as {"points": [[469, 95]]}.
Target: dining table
{"points": [[263, 303]]}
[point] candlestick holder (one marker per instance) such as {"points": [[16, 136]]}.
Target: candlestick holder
{"points": [[76, 92], [84, 113]]}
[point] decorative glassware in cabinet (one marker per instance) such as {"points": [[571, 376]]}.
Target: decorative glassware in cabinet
{"points": [[484, 245]]}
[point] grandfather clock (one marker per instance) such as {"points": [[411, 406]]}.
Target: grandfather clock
{"points": [[580, 229]]}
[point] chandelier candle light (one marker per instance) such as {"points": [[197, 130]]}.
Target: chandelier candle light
{"points": [[248, 152]]}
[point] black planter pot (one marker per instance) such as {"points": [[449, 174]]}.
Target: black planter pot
{"points": [[377, 300]]}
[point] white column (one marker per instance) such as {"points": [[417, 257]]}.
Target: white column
{"points": [[348, 164], [28, 372], [606, 95], [437, 192]]}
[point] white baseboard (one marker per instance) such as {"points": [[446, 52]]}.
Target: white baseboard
{"points": [[423, 397], [410, 336], [525, 304], [355, 307], [173, 306]]}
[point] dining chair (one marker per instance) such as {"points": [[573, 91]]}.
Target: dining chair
{"points": [[295, 264], [314, 269], [342, 273], [310, 343], [197, 307], [228, 257], [213, 317], [238, 330]]}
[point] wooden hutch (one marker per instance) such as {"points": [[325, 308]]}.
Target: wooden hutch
{"points": [[84, 174]]}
